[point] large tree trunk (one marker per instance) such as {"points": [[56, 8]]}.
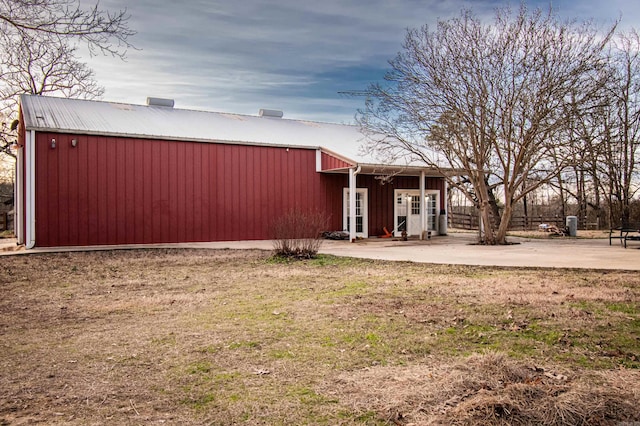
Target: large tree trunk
{"points": [[495, 210], [505, 221], [488, 235]]}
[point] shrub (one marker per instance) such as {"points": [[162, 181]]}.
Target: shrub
{"points": [[298, 234]]}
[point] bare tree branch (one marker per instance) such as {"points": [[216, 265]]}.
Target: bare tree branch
{"points": [[103, 31], [489, 99], [38, 44]]}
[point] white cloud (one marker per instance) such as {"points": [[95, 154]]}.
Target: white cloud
{"points": [[242, 55]]}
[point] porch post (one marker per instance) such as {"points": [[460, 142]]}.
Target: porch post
{"points": [[352, 204], [423, 207], [444, 222]]}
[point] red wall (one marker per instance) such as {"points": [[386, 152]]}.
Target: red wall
{"points": [[131, 191], [329, 162], [127, 191]]}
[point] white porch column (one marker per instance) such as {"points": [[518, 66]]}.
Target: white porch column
{"points": [[352, 205], [444, 223], [423, 207]]}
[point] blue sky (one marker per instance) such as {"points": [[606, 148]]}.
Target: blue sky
{"points": [[294, 55]]}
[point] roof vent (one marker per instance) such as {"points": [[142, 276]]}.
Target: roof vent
{"points": [[160, 102], [270, 113]]}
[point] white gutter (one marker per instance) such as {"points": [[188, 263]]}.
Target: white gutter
{"points": [[30, 147], [352, 202]]}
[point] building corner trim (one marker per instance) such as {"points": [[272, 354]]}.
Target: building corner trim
{"points": [[30, 240]]}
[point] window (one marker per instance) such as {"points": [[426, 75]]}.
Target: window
{"points": [[415, 204], [359, 221], [432, 211], [402, 223]]}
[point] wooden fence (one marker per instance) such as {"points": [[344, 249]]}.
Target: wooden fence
{"points": [[4, 221], [468, 221]]}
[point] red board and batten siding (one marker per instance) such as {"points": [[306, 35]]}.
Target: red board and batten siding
{"points": [[111, 190], [330, 162]]}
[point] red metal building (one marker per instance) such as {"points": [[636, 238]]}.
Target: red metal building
{"points": [[101, 173]]}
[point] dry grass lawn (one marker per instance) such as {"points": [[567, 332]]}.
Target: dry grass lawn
{"points": [[235, 337]]}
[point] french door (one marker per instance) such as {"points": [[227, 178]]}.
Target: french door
{"points": [[407, 211], [362, 229]]}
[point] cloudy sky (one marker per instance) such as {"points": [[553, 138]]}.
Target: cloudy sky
{"points": [[294, 55]]}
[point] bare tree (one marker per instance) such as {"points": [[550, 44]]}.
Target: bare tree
{"points": [[487, 99], [40, 66], [103, 31], [44, 65], [607, 135], [38, 44], [621, 134]]}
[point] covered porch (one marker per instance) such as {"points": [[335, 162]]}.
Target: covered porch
{"points": [[392, 201]]}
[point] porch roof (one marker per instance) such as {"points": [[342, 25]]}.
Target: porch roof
{"points": [[394, 170]]}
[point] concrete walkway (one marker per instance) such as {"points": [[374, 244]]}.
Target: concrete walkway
{"points": [[456, 248], [460, 249]]}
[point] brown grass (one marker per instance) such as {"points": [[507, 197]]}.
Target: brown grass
{"points": [[236, 337], [490, 389]]}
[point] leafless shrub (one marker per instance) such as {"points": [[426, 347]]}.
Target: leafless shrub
{"points": [[298, 234]]}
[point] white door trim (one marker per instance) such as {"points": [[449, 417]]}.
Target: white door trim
{"points": [[424, 215], [364, 210]]}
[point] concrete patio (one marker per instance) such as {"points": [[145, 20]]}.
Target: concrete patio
{"points": [[456, 248]]}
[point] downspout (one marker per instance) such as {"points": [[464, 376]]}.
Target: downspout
{"points": [[30, 184], [353, 172], [423, 207]]}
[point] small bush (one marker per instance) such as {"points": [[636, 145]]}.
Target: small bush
{"points": [[298, 234]]}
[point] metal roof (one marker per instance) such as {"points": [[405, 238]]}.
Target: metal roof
{"points": [[62, 115]]}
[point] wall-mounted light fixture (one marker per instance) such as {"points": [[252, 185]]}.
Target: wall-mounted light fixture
{"points": [[53, 143], [74, 142]]}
